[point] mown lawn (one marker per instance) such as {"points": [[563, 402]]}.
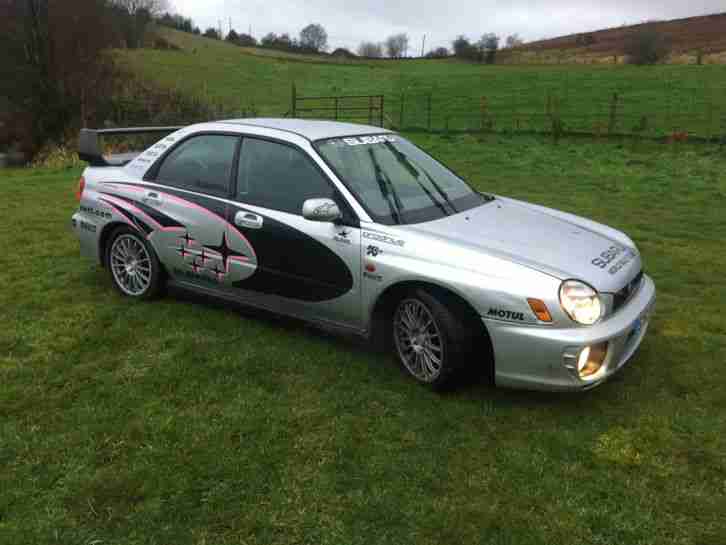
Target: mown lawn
{"points": [[182, 421], [670, 97]]}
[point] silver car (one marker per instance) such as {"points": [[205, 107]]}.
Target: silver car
{"points": [[356, 229]]}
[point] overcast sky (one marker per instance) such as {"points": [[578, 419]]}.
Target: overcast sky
{"points": [[348, 22]]}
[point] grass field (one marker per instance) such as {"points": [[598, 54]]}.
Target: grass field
{"points": [[672, 98], [181, 421]]}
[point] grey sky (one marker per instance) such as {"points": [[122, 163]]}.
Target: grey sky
{"points": [[348, 22]]}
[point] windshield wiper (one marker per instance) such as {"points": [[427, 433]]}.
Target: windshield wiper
{"points": [[401, 158], [387, 189]]}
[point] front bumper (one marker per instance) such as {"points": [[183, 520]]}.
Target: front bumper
{"points": [[532, 357]]}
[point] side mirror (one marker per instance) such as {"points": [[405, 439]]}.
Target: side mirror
{"points": [[323, 210]]}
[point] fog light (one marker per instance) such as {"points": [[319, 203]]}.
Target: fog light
{"points": [[591, 359]]}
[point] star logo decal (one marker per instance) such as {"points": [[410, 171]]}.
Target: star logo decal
{"points": [[204, 256], [218, 272], [187, 238], [224, 251], [182, 251]]}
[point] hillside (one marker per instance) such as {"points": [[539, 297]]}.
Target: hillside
{"points": [[463, 95], [687, 36]]}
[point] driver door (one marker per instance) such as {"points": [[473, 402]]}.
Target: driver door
{"points": [[305, 268]]}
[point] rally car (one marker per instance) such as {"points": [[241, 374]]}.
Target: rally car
{"points": [[356, 229]]}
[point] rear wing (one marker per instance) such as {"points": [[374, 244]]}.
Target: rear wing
{"points": [[91, 151]]}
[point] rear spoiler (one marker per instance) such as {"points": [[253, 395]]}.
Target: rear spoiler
{"points": [[89, 145]]}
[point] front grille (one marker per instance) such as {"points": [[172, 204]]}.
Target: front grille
{"points": [[624, 295]]}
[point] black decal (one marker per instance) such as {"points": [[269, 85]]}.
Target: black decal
{"points": [[374, 251], [506, 314], [292, 264]]}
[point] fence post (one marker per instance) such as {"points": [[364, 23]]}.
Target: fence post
{"points": [[294, 101], [482, 113], [613, 114], [400, 115], [428, 112], [336, 108], [381, 113], [370, 110]]}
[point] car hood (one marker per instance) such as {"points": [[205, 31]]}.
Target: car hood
{"points": [[556, 243]]}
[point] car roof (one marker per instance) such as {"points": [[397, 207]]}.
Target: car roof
{"points": [[310, 129]]}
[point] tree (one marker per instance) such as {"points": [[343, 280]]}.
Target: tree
{"points": [[245, 40], [232, 36], [464, 49], [647, 46], [438, 53], [371, 50], [397, 45], [213, 33], [314, 38], [488, 46], [133, 18], [514, 40], [153, 7], [61, 74]]}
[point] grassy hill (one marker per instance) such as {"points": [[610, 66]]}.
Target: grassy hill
{"points": [[687, 36], [670, 97]]}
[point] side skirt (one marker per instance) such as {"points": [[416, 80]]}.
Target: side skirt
{"points": [[325, 325]]}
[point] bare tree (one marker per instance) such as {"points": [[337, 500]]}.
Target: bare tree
{"points": [[370, 49], [438, 53], [464, 49], [514, 40], [314, 38], [397, 45], [213, 33], [154, 7], [488, 46]]}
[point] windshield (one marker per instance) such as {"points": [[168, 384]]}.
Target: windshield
{"points": [[395, 181]]}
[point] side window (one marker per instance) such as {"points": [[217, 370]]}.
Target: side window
{"points": [[278, 177], [202, 163]]}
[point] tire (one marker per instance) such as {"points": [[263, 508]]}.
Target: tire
{"points": [[133, 265], [433, 354]]}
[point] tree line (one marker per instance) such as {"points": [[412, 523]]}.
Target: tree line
{"points": [[56, 63]]}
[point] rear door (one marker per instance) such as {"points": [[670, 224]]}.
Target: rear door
{"points": [[182, 207], [306, 268]]}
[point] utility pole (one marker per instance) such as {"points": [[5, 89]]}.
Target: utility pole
{"points": [[423, 45], [230, 24]]}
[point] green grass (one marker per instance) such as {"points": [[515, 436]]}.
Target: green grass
{"points": [[672, 98], [182, 422]]}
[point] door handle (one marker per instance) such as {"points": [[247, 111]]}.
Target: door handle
{"points": [[151, 197], [248, 219]]}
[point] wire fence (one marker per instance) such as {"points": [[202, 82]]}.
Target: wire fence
{"points": [[671, 111]]}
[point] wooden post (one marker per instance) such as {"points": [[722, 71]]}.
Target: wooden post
{"points": [[293, 109], [613, 114], [336, 108], [400, 115], [482, 113], [428, 112], [381, 112], [370, 110]]}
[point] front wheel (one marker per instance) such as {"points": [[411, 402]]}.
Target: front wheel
{"points": [[133, 264], [431, 339]]}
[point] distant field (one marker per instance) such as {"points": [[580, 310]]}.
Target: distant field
{"points": [[672, 97], [184, 422]]}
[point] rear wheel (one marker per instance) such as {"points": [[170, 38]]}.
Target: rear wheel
{"points": [[133, 264], [432, 339]]}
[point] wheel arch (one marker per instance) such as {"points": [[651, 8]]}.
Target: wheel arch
{"points": [[104, 237], [384, 306]]}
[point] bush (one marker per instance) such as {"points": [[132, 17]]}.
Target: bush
{"points": [[647, 46]]}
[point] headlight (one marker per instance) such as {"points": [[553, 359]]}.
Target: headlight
{"points": [[580, 302]]}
